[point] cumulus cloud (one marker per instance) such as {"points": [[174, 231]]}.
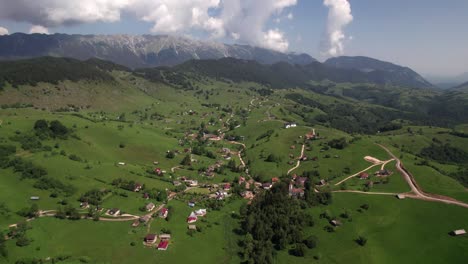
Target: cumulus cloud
{"points": [[246, 19], [243, 20], [339, 15], [38, 29], [51, 13], [3, 31]]}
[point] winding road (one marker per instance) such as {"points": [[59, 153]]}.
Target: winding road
{"points": [[416, 191]]}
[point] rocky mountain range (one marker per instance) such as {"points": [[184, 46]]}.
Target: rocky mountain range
{"points": [[146, 51], [136, 51]]}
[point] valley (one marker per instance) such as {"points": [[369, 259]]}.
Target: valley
{"points": [[84, 156]]}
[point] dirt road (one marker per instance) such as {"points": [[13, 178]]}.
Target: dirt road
{"points": [[298, 161], [417, 192]]}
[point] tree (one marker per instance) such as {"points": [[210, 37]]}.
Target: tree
{"points": [[361, 241], [170, 154], [299, 250], [22, 241], [187, 161], [311, 241], [58, 129]]}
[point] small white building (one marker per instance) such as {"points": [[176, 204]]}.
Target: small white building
{"points": [[401, 196], [459, 232], [121, 163], [290, 125]]}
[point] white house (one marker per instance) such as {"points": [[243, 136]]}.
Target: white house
{"points": [[200, 212], [289, 125]]}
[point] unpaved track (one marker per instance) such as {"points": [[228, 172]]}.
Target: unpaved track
{"points": [[383, 163], [299, 161], [371, 193], [417, 192]]}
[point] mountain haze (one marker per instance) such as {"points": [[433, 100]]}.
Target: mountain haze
{"points": [[385, 71]]}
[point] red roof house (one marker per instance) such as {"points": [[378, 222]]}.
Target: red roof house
{"points": [[163, 245], [151, 238], [364, 176]]}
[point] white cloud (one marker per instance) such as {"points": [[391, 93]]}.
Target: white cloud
{"points": [[339, 15], [38, 29], [290, 16], [244, 20], [247, 19], [274, 39], [52, 13], [3, 31]]}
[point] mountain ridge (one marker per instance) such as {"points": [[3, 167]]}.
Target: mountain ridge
{"points": [[136, 51], [390, 72]]}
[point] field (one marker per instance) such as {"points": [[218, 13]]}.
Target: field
{"points": [[159, 126]]}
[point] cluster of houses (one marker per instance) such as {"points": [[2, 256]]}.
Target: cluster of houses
{"points": [[297, 186], [193, 217], [210, 171], [151, 239]]}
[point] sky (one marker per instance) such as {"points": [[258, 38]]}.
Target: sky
{"points": [[429, 36]]}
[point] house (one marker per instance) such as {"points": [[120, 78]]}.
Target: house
{"points": [[248, 195], [335, 222], [84, 205], [289, 125], [158, 171], [300, 181], [144, 219], [364, 176], [114, 211], [165, 236], [192, 227], [146, 196], [34, 198], [400, 196], [176, 183], [163, 212], [227, 186], [267, 185], [383, 173], [192, 218], [275, 180], [137, 187], [295, 192], [149, 207], [192, 183], [322, 182], [191, 203], [459, 232], [200, 212], [150, 238], [311, 135], [226, 151], [136, 223], [303, 158], [121, 163], [163, 245]]}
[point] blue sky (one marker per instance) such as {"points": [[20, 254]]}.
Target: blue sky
{"points": [[430, 36]]}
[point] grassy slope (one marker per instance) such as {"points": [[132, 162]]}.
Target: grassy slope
{"points": [[398, 231]]}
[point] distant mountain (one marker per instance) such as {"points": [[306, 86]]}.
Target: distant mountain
{"points": [[446, 82], [136, 51], [462, 87], [381, 71], [278, 75]]}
